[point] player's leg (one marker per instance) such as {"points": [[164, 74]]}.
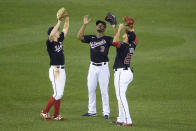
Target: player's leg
{"points": [[45, 113], [103, 77], [60, 84], [92, 84], [50, 103], [51, 100], [126, 78], [117, 77]]}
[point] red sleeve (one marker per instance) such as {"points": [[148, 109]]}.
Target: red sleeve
{"points": [[116, 44], [136, 40]]}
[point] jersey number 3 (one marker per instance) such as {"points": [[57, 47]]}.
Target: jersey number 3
{"points": [[102, 48]]}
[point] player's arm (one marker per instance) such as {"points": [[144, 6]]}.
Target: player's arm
{"points": [[116, 40], [80, 34], [114, 29], [54, 31], [66, 26], [117, 35]]}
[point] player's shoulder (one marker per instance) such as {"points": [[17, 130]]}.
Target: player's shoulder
{"points": [[90, 35], [48, 41], [108, 37], [62, 34], [61, 37], [124, 44]]}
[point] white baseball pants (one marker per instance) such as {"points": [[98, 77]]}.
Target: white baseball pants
{"points": [[99, 74], [57, 77], [122, 78]]}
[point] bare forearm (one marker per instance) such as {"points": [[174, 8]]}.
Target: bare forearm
{"points": [[66, 26], [114, 29], [117, 36], [81, 32], [55, 29]]}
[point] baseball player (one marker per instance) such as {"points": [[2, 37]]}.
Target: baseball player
{"points": [[98, 70], [123, 74], [57, 74]]}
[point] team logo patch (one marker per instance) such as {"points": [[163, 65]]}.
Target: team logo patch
{"points": [[58, 48], [96, 44]]}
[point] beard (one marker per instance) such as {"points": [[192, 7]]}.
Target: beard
{"points": [[100, 31]]}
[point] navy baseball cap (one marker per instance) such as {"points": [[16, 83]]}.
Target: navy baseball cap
{"points": [[99, 21], [50, 29]]}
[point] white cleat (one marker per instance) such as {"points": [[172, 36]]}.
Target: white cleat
{"points": [[59, 118], [45, 116]]}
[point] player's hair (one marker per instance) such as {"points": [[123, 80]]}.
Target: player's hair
{"points": [[50, 30]]}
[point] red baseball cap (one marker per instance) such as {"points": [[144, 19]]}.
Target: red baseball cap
{"points": [[129, 21]]}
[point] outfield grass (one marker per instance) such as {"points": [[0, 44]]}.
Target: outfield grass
{"points": [[161, 97]]}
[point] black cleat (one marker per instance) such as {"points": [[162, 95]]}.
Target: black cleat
{"points": [[106, 117], [89, 114]]}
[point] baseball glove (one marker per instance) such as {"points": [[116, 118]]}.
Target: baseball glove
{"points": [[129, 21], [61, 14], [111, 18]]}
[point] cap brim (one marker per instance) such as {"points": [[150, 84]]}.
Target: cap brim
{"points": [[99, 21]]}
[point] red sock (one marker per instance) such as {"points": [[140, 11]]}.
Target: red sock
{"points": [[57, 107], [51, 101]]}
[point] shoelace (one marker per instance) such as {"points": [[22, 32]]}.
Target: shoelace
{"points": [[59, 117], [46, 115]]}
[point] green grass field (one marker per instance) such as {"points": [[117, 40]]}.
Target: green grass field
{"points": [[161, 97]]}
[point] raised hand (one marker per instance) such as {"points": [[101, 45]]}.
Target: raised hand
{"points": [[86, 20], [121, 26]]}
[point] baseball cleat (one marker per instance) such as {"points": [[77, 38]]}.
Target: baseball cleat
{"points": [[124, 124], [106, 117], [89, 114], [116, 123], [45, 116], [59, 118]]}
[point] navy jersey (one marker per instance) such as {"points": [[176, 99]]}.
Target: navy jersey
{"points": [[99, 47], [55, 51], [123, 54]]}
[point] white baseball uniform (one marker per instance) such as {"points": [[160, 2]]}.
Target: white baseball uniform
{"points": [[98, 71], [123, 77], [57, 77], [56, 74]]}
